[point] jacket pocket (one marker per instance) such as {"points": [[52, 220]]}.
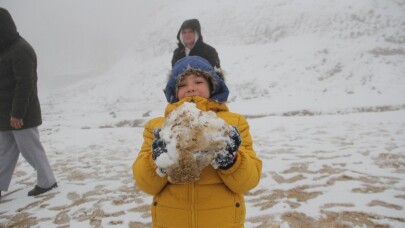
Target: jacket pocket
{"points": [[166, 216]]}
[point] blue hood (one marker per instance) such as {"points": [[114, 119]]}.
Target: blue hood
{"points": [[220, 92]]}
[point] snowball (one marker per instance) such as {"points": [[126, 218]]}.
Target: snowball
{"points": [[164, 160], [193, 138]]}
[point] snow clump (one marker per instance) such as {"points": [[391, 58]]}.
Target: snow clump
{"points": [[193, 138]]}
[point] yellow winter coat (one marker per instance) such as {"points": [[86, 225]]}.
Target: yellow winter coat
{"points": [[216, 199]]}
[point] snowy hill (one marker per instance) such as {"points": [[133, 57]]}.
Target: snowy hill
{"points": [[321, 83], [330, 56]]}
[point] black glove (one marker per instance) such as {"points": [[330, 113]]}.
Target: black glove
{"points": [[158, 147], [225, 159]]}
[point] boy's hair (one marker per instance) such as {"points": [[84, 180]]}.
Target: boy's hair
{"points": [[200, 67], [198, 73]]}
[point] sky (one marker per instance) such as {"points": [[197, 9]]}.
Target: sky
{"points": [[321, 84], [76, 39]]}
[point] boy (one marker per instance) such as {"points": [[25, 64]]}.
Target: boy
{"points": [[216, 199]]}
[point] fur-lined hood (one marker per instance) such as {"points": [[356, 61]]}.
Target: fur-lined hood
{"points": [[219, 90]]}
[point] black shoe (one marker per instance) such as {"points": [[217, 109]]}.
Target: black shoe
{"points": [[38, 190]]}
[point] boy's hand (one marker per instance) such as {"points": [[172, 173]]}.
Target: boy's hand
{"points": [[158, 145], [227, 158], [158, 148]]}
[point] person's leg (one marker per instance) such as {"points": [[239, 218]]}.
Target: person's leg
{"points": [[31, 149], [8, 158]]}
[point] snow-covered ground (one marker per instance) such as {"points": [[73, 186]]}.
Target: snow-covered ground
{"points": [[321, 83]]}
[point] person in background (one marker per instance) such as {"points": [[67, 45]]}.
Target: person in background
{"points": [[217, 198], [190, 43], [20, 112]]}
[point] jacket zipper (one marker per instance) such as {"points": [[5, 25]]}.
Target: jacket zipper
{"points": [[193, 211]]}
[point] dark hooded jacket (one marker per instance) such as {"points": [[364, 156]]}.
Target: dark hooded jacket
{"points": [[18, 77], [200, 48]]}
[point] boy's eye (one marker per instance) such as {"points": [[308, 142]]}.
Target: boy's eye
{"points": [[181, 85]]}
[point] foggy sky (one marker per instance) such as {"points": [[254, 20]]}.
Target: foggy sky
{"points": [[78, 38]]}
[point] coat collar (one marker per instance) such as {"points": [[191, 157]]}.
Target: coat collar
{"points": [[201, 103]]}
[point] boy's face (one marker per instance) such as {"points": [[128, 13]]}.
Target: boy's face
{"points": [[188, 36], [192, 85]]}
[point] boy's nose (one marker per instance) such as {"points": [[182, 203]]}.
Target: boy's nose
{"points": [[190, 88]]}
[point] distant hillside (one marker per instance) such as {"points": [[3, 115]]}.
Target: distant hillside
{"points": [[279, 57]]}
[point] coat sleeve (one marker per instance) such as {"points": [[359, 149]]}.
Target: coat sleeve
{"points": [[178, 53], [23, 67], [245, 174], [144, 169], [215, 58]]}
